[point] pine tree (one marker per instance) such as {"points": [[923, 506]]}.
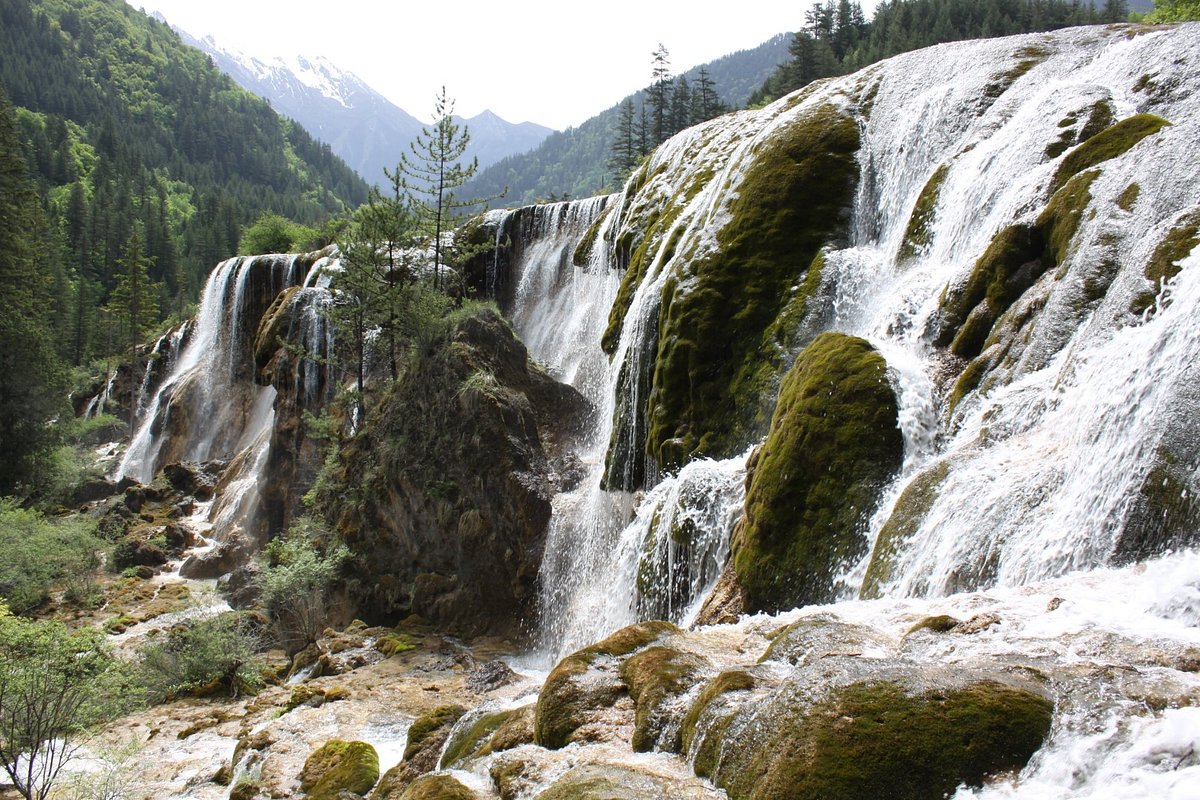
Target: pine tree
{"points": [[706, 102], [624, 155], [133, 304], [32, 381], [681, 106], [434, 172], [658, 95]]}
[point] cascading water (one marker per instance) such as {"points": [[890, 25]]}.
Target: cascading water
{"points": [[1031, 491], [209, 406]]}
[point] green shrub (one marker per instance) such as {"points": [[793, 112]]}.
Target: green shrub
{"points": [[300, 571], [202, 657], [40, 554]]}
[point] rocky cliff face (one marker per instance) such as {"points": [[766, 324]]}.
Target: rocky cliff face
{"points": [[447, 490]]}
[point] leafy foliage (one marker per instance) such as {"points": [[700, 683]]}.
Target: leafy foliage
{"points": [[54, 685], [40, 554], [300, 572], [203, 656]]}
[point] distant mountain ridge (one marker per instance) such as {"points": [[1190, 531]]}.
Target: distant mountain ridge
{"points": [[574, 162], [368, 131]]}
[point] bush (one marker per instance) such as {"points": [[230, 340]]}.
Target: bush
{"points": [[202, 657], [54, 685], [271, 233], [39, 554], [300, 571]]}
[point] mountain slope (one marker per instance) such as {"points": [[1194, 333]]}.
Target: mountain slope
{"points": [[360, 125], [573, 163], [128, 131]]}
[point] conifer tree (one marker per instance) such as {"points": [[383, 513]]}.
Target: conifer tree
{"points": [[624, 155], [432, 172], [681, 106], [705, 101], [133, 304], [658, 95]]}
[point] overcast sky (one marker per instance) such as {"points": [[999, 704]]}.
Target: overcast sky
{"points": [[555, 63]]}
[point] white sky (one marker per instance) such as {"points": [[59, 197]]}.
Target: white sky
{"points": [[554, 63]]}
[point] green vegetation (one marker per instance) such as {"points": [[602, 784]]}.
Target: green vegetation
{"points": [[910, 510], [339, 766], [1107, 144], [564, 702], [731, 681], [837, 40], [41, 554], [202, 657], [271, 233], [1164, 263], [920, 223], [1174, 11], [54, 686], [653, 676], [834, 443], [439, 720], [300, 571]]}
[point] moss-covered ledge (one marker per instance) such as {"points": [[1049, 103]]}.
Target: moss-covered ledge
{"points": [[834, 443], [715, 366]]}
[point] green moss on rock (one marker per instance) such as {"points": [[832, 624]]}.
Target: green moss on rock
{"points": [[906, 517], [714, 367], [437, 787], [834, 442], [567, 701], [730, 681], [339, 765], [654, 676], [429, 724], [1107, 144], [1129, 197], [1164, 514], [920, 223], [878, 738], [1163, 264], [491, 733]]}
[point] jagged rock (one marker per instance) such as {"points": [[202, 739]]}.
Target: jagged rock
{"points": [[452, 521], [197, 480], [222, 559], [240, 587], [490, 676]]}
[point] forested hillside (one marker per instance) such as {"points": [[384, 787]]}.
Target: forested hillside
{"points": [[837, 39], [125, 129]]}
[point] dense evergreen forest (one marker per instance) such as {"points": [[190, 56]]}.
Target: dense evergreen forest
{"points": [[125, 129], [837, 39]]}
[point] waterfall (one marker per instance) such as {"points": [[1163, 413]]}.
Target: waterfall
{"points": [[209, 406], [1043, 464]]}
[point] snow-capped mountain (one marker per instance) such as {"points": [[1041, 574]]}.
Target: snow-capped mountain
{"points": [[363, 127]]}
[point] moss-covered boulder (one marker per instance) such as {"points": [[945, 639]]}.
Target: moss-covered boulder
{"points": [[490, 732], [1163, 265], [810, 639], [834, 443], [437, 787], [904, 521], [1164, 514], [339, 765], [426, 737], [715, 369], [920, 223], [585, 683], [620, 782], [656, 677], [898, 733], [708, 705]]}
